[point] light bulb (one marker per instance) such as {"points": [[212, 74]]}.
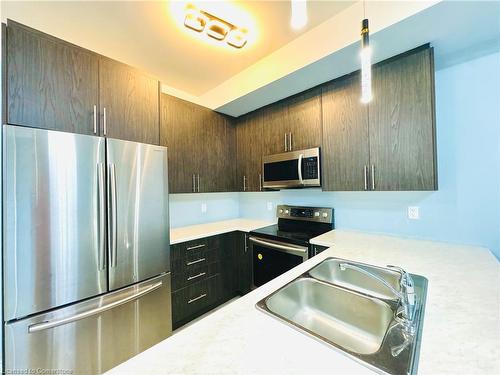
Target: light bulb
{"points": [[299, 14]]}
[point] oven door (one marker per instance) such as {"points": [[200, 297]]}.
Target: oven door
{"points": [[292, 169], [273, 258]]}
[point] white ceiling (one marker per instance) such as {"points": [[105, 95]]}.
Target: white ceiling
{"points": [[151, 36]]}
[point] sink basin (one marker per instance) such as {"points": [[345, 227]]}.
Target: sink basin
{"points": [[352, 321], [353, 313], [329, 271]]}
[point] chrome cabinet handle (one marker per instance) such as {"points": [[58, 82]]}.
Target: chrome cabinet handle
{"points": [[373, 177], [197, 298], [85, 314], [260, 182], [286, 145], [195, 247], [195, 261], [196, 276], [194, 184], [104, 122], [290, 148], [246, 246], [198, 183], [102, 216], [365, 173], [244, 183], [95, 119], [113, 215]]}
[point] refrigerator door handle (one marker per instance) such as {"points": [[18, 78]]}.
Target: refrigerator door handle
{"points": [[37, 327], [112, 230], [102, 217]]}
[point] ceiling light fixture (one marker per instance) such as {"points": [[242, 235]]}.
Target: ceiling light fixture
{"points": [[299, 14], [217, 29], [214, 27], [195, 20], [366, 62], [237, 38]]}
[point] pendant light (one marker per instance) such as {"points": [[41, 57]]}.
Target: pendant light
{"points": [[366, 61]]}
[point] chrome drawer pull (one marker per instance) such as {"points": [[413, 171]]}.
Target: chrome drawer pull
{"points": [[196, 276], [197, 298], [195, 261], [195, 247]]}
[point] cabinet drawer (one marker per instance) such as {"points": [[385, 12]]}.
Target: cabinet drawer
{"points": [[192, 300], [190, 274]]}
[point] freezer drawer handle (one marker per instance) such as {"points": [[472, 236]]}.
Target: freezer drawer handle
{"points": [[197, 298], [195, 261], [195, 247], [85, 314], [196, 276]]}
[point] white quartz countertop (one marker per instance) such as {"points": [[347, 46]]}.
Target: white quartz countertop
{"points": [[461, 332], [193, 232]]}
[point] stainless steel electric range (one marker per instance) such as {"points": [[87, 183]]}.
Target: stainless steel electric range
{"points": [[278, 248]]}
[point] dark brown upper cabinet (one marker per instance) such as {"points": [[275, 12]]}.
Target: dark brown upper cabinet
{"points": [[293, 123], [388, 144], [345, 152], [402, 123], [51, 84], [178, 131], [249, 142], [201, 147], [275, 128], [129, 103], [304, 118]]}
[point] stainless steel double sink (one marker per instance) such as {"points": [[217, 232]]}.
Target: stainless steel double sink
{"points": [[352, 312]]}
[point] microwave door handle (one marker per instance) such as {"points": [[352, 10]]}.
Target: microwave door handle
{"points": [[299, 169]]}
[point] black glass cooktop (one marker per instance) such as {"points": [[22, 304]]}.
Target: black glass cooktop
{"points": [[292, 231]]}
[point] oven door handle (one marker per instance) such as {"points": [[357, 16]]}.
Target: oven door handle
{"points": [[287, 248]]}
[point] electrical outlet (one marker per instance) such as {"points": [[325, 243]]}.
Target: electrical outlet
{"points": [[269, 206], [203, 208], [413, 213]]}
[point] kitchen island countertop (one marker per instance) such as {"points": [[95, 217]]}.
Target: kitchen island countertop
{"points": [[461, 332]]}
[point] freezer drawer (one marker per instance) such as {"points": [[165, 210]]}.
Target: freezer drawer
{"points": [[93, 336], [138, 234], [54, 219]]}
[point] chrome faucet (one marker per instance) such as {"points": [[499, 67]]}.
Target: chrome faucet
{"points": [[406, 296]]}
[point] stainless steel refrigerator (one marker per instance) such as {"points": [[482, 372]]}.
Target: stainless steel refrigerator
{"points": [[86, 277]]}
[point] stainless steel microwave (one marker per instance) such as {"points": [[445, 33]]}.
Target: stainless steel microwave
{"points": [[295, 169]]}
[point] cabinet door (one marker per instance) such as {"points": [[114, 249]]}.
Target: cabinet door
{"points": [[51, 84], [130, 99], [275, 125], [345, 151], [304, 120], [229, 271], [402, 133], [217, 168], [179, 134], [243, 264], [249, 152]]}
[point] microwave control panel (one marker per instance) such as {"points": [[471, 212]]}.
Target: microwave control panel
{"points": [[310, 168]]}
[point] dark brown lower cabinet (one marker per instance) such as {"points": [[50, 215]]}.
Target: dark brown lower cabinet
{"points": [[206, 273]]}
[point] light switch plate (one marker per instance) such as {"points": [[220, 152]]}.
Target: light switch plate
{"points": [[269, 206], [413, 213], [203, 208]]}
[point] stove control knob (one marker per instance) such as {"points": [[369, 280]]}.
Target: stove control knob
{"points": [[286, 212], [316, 214], [325, 214], [281, 210]]}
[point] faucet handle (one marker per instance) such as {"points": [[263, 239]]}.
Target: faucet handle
{"points": [[406, 283]]}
